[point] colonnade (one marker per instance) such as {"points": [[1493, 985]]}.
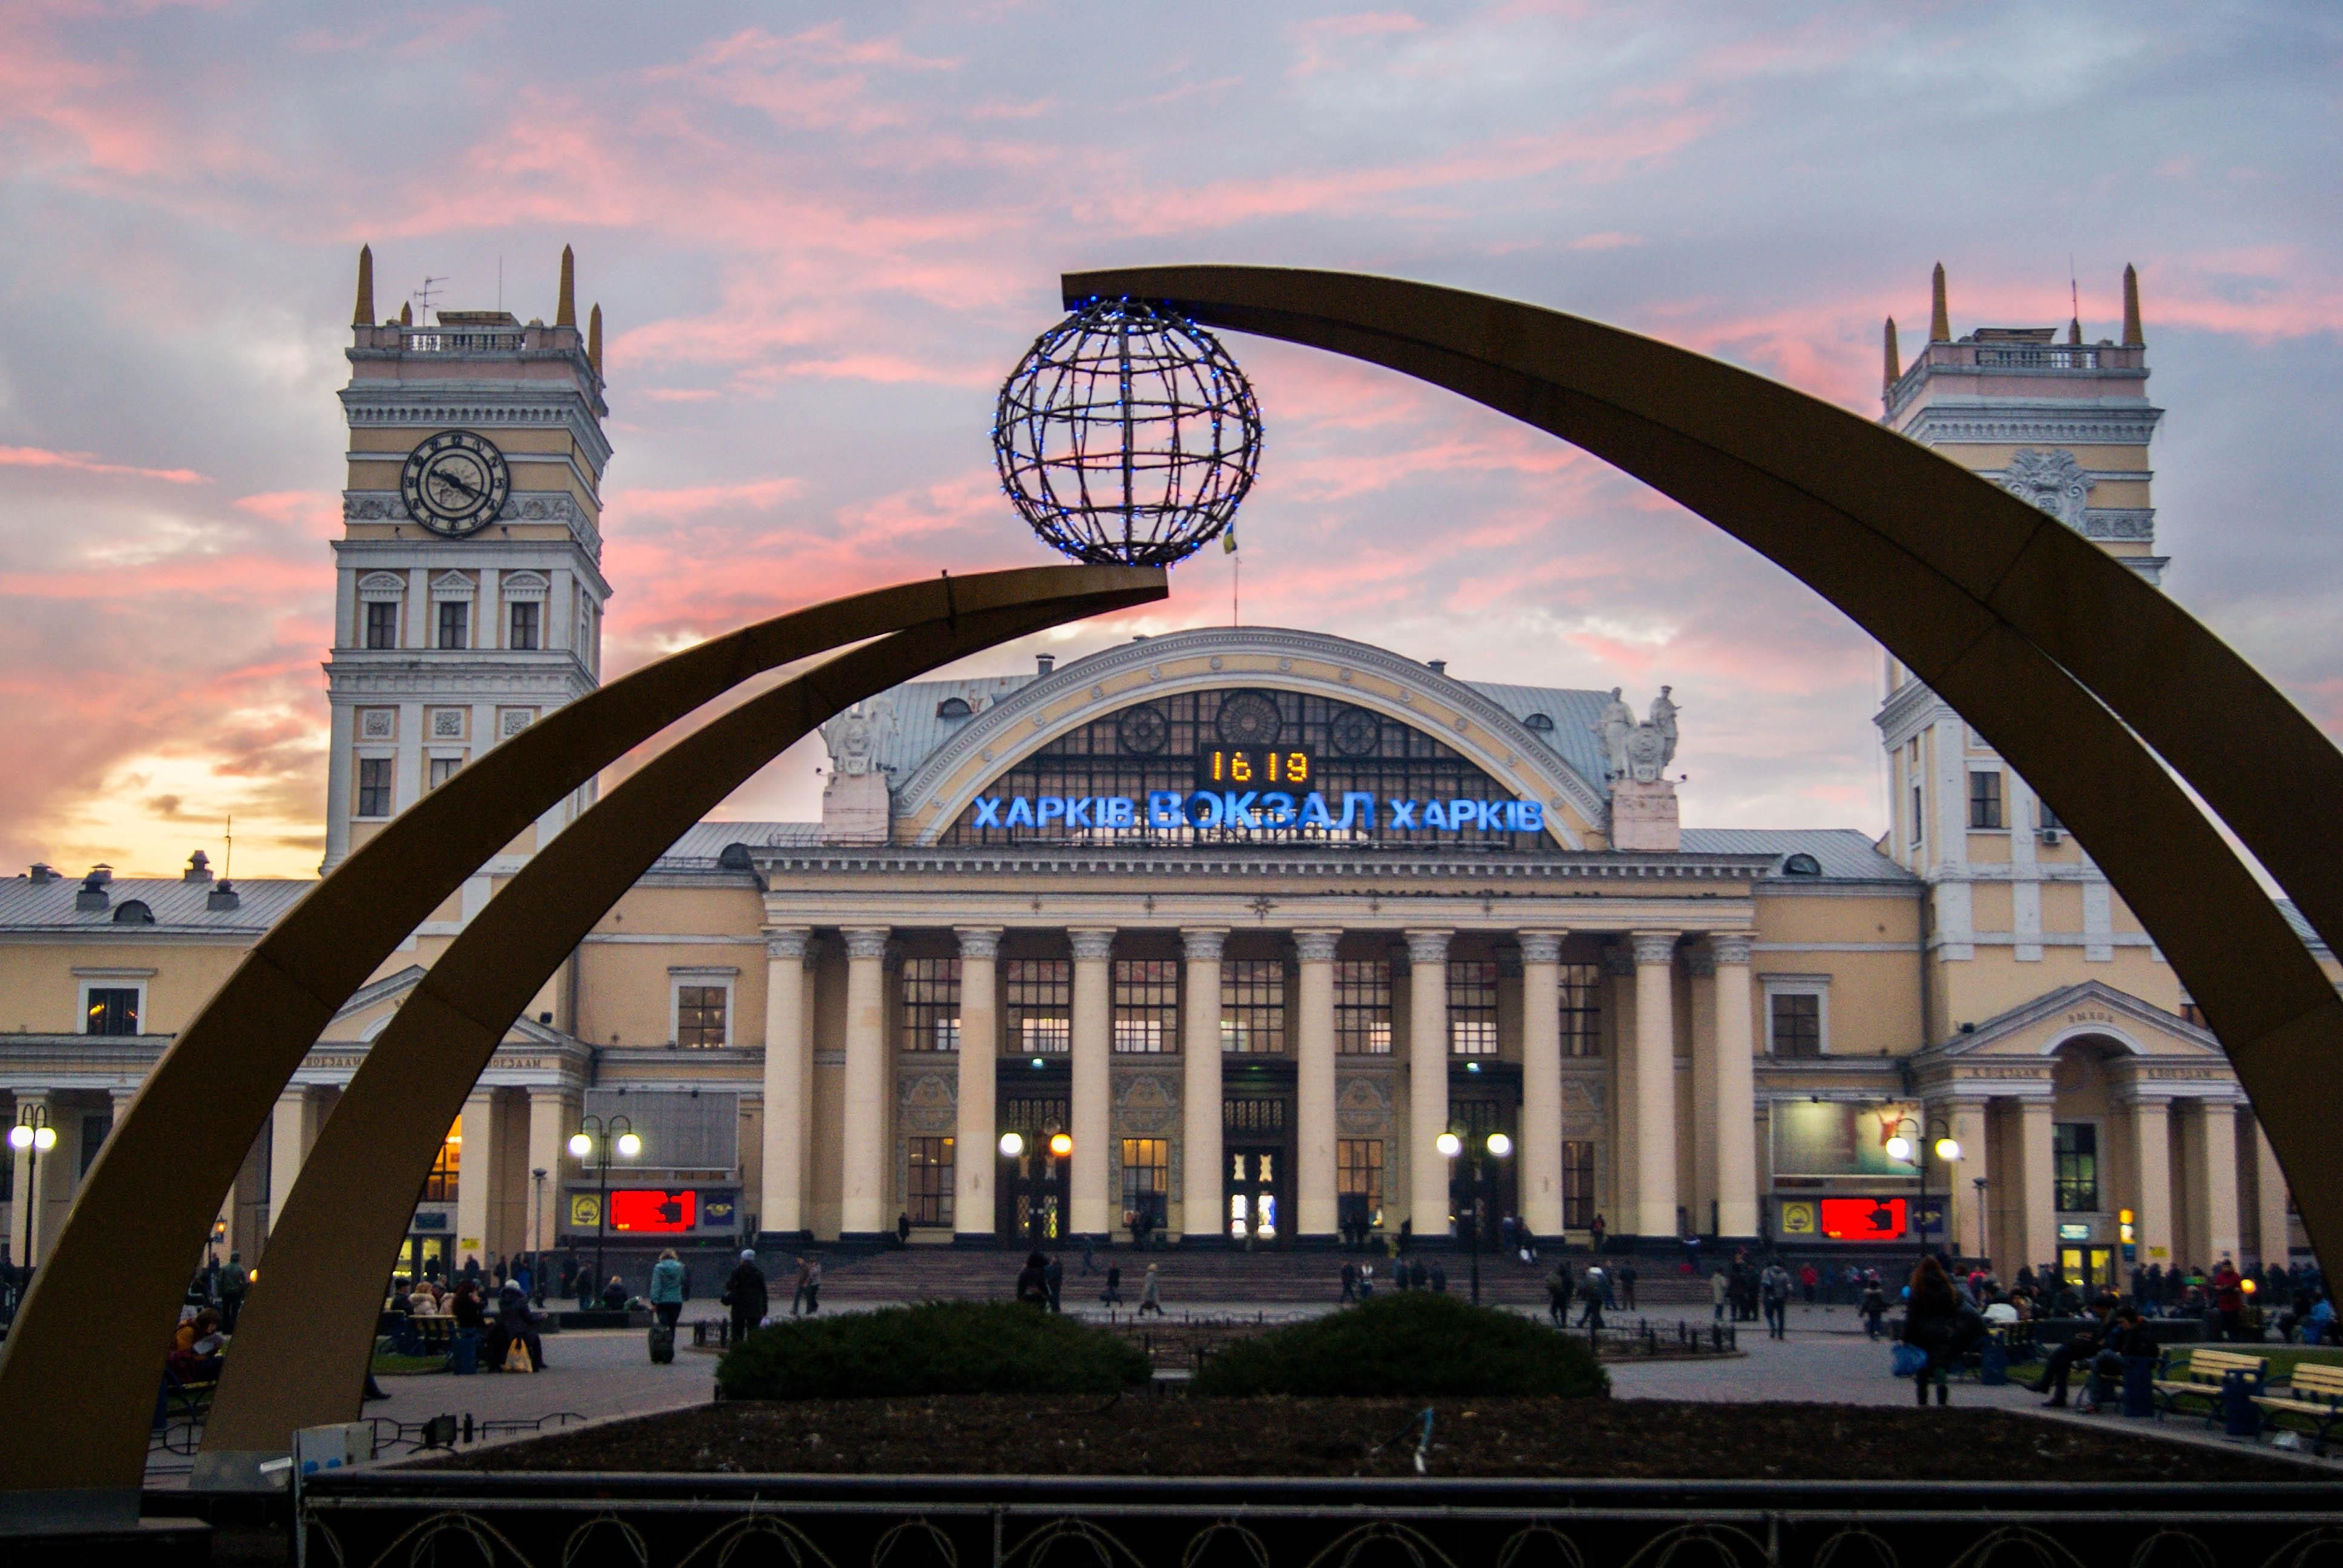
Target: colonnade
{"points": [[1645, 1122]]}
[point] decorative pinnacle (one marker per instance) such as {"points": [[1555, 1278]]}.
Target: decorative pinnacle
{"points": [[2133, 338], [406, 313], [594, 337], [1894, 367], [564, 313], [1940, 319], [364, 315]]}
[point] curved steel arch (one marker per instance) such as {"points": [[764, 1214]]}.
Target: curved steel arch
{"points": [[73, 1423], [2065, 660], [308, 1330]]}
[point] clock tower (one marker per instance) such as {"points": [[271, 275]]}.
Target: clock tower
{"points": [[468, 587]]}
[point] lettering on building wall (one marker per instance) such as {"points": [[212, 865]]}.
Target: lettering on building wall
{"points": [[1256, 811]]}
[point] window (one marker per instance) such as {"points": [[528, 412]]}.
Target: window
{"points": [[444, 768], [374, 786], [110, 1010], [440, 1187], [1801, 865], [1582, 1010], [1796, 1024], [700, 1011], [1916, 817], [455, 623], [1539, 721], [2075, 1166], [1146, 1005], [1253, 1005], [1040, 993], [931, 1006], [1577, 1184], [1147, 1181], [524, 626], [953, 708], [1252, 1115], [94, 1126], [932, 1181], [1359, 1173], [1472, 1008], [1985, 799], [1362, 1008], [382, 624], [2045, 818]]}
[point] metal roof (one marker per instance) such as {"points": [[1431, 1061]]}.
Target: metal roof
{"points": [[1844, 854], [698, 847], [1573, 714], [177, 906]]}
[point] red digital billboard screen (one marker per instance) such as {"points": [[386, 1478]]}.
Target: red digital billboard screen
{"points": [[1860, 1219], [648, 1209]]}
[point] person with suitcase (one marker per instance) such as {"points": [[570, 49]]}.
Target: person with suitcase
{"points": [[667, 1305]]}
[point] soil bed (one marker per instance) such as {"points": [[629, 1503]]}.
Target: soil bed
{"points": [[1592, 1439]]}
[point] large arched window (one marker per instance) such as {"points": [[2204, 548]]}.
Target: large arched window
{"points": [[1238, 741]]}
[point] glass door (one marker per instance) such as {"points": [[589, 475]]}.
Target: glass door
{"points": [[1254, 1216]]}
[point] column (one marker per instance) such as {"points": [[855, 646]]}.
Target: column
{"points": [[2039, 1199], [1427, 1082], [1315, 1179], [2216, 1180], [782, 1196], [1655, 1084], [1619, 968], [862, 1208], [1200, 1185], [1700, 1202], [1965, 1214], [2272, 1236], [2151, 1202], [553, 1116], [1541, 1151], [28, 1238], [974, 1163], [475, 1172], [291, 1133], [1735, 1091], [1093, 1030]]}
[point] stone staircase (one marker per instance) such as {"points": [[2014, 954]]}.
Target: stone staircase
{"points": [[1197, 1277]]}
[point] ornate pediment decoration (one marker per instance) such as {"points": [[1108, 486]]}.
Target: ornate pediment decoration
{"points": [[2052, 481]]}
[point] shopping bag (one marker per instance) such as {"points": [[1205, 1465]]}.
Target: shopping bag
{"points": [[1907, 1361], [517, 1358]]}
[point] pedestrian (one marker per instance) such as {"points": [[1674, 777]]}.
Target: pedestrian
{"points": [[667, 1289], [1399, 1274], [1807, 1278], [1419, 1278], [744, 1292], [1773, 1285], [1366, 1282], [1151, 1300], [2229, 1301], [1596, 1229], [232, 1283], [1054, 1274], [813, 1286], [2085, 1345], [614, 1295], [1089, 1267], [1591, 1293], [1932, 1325], [1439, 1277], [1557, 1293], [1113, 1293], [797, 1295], [1033, 1282], [1874, 1307], [902, 1230], [1720, 1287], [1526, 1240], [1627, 1284], [1350, 1284]]}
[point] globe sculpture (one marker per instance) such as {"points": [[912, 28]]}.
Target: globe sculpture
{"points": [[1127, 435]]}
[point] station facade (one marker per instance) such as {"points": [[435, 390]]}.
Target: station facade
{"points": [[1210, 936]]}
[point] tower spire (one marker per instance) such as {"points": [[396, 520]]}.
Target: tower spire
{"points": [[364, 315], [2133, 338], [564, 313], [594, 337], [2075, 303], [1940, 319], [1895, 369], [406, 313]]}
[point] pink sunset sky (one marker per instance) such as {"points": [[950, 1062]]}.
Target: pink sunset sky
{"points": [[821, 239]]}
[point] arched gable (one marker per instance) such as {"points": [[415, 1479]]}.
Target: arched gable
{"points": [[1462, 719]]}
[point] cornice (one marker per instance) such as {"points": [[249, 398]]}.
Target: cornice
{"points": [[1407, 863], [483, 405]]}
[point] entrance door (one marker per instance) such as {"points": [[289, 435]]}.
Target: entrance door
{"points": [[1037, 1196], [1255, 1192], [423, 1257], [2091, 1268]]}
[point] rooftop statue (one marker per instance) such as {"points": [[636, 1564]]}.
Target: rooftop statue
{"points": [[1638, 751]]}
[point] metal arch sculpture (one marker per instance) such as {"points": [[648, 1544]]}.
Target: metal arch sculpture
{"points": [[73, 1423], [2063, 658], [308, 1327]]}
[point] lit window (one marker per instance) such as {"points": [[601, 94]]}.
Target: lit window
{"points": [[700, 1015], [1146, 1181], [2075, 1166], [1582, 1010], [1472, 1008], [1253, 1005], [930, 1199], [440, 1187], [931, 1005], [111, 1009], [1146, 1005], [1039, 998], [1362, 1008]]}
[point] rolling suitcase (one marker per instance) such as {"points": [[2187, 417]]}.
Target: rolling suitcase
{"points": [[662, 1344]]}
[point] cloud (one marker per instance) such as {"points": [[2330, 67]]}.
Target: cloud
{"points": [[84, 463]]}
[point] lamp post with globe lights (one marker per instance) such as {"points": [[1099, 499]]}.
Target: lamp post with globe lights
{"points": [[33, 1137], [1938, 1136], [596, 1139], [1479, 1187]]}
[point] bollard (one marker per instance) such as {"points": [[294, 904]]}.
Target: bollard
{"points": [[2242, 1417]]}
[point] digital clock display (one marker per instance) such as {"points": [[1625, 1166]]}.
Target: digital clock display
{"points": [[1256, 768]]}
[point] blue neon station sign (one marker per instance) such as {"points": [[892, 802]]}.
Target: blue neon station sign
{"points": [[1250, 810]]}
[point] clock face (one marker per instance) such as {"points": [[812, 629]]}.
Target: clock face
{"points": [[455, 483]]}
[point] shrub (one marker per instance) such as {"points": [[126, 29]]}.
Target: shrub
{"points": [[1410, 1345], [943, 1347]]}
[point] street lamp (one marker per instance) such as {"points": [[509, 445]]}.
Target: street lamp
{"points": [[1480, 1186], [1945, 1146], [596, 1138], [35, 1137]]}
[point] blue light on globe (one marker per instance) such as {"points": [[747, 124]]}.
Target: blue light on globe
{"points": [[1127, 435]]}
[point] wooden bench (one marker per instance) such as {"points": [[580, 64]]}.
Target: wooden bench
{"points": [[2314, 1392], [2201, 1376]]}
